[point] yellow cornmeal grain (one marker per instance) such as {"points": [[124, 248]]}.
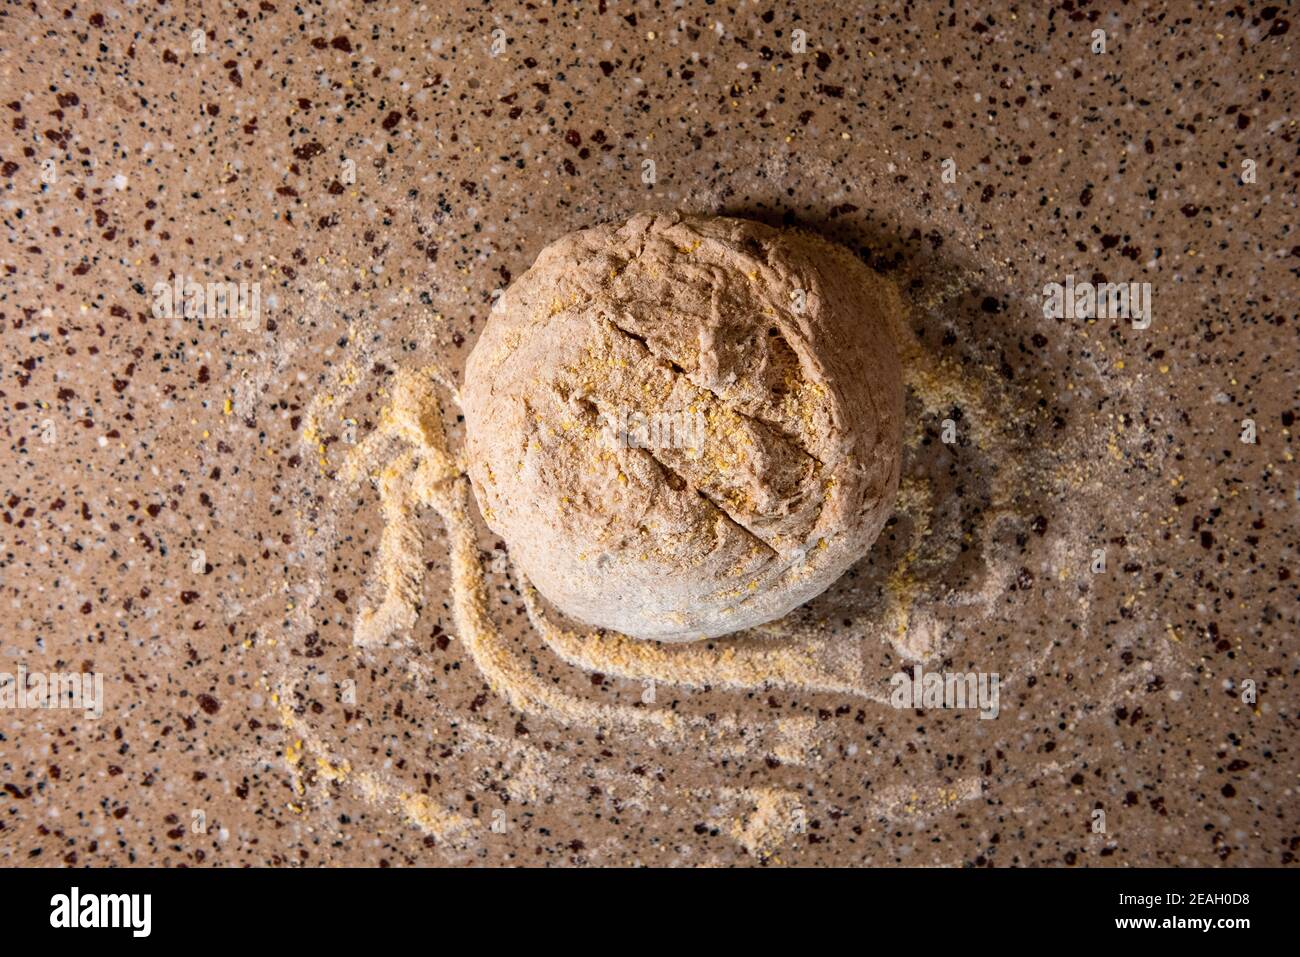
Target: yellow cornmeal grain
{"points": [[776, 816], [419, 809]]}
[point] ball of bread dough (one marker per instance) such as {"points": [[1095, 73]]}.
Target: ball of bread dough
{"points": [[683, 426]]}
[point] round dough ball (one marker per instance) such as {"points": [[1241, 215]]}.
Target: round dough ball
{"points": [[683, 426]]}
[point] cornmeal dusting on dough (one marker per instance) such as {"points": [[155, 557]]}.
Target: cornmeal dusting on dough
{"points": [[777, 342]]}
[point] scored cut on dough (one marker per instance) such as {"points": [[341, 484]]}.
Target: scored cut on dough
{"points": [[778, 342]]}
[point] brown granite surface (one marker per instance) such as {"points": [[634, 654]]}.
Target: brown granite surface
{"points": [[378, 170]]}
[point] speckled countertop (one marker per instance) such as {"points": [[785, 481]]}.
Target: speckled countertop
{"points": [[375, 171]]}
